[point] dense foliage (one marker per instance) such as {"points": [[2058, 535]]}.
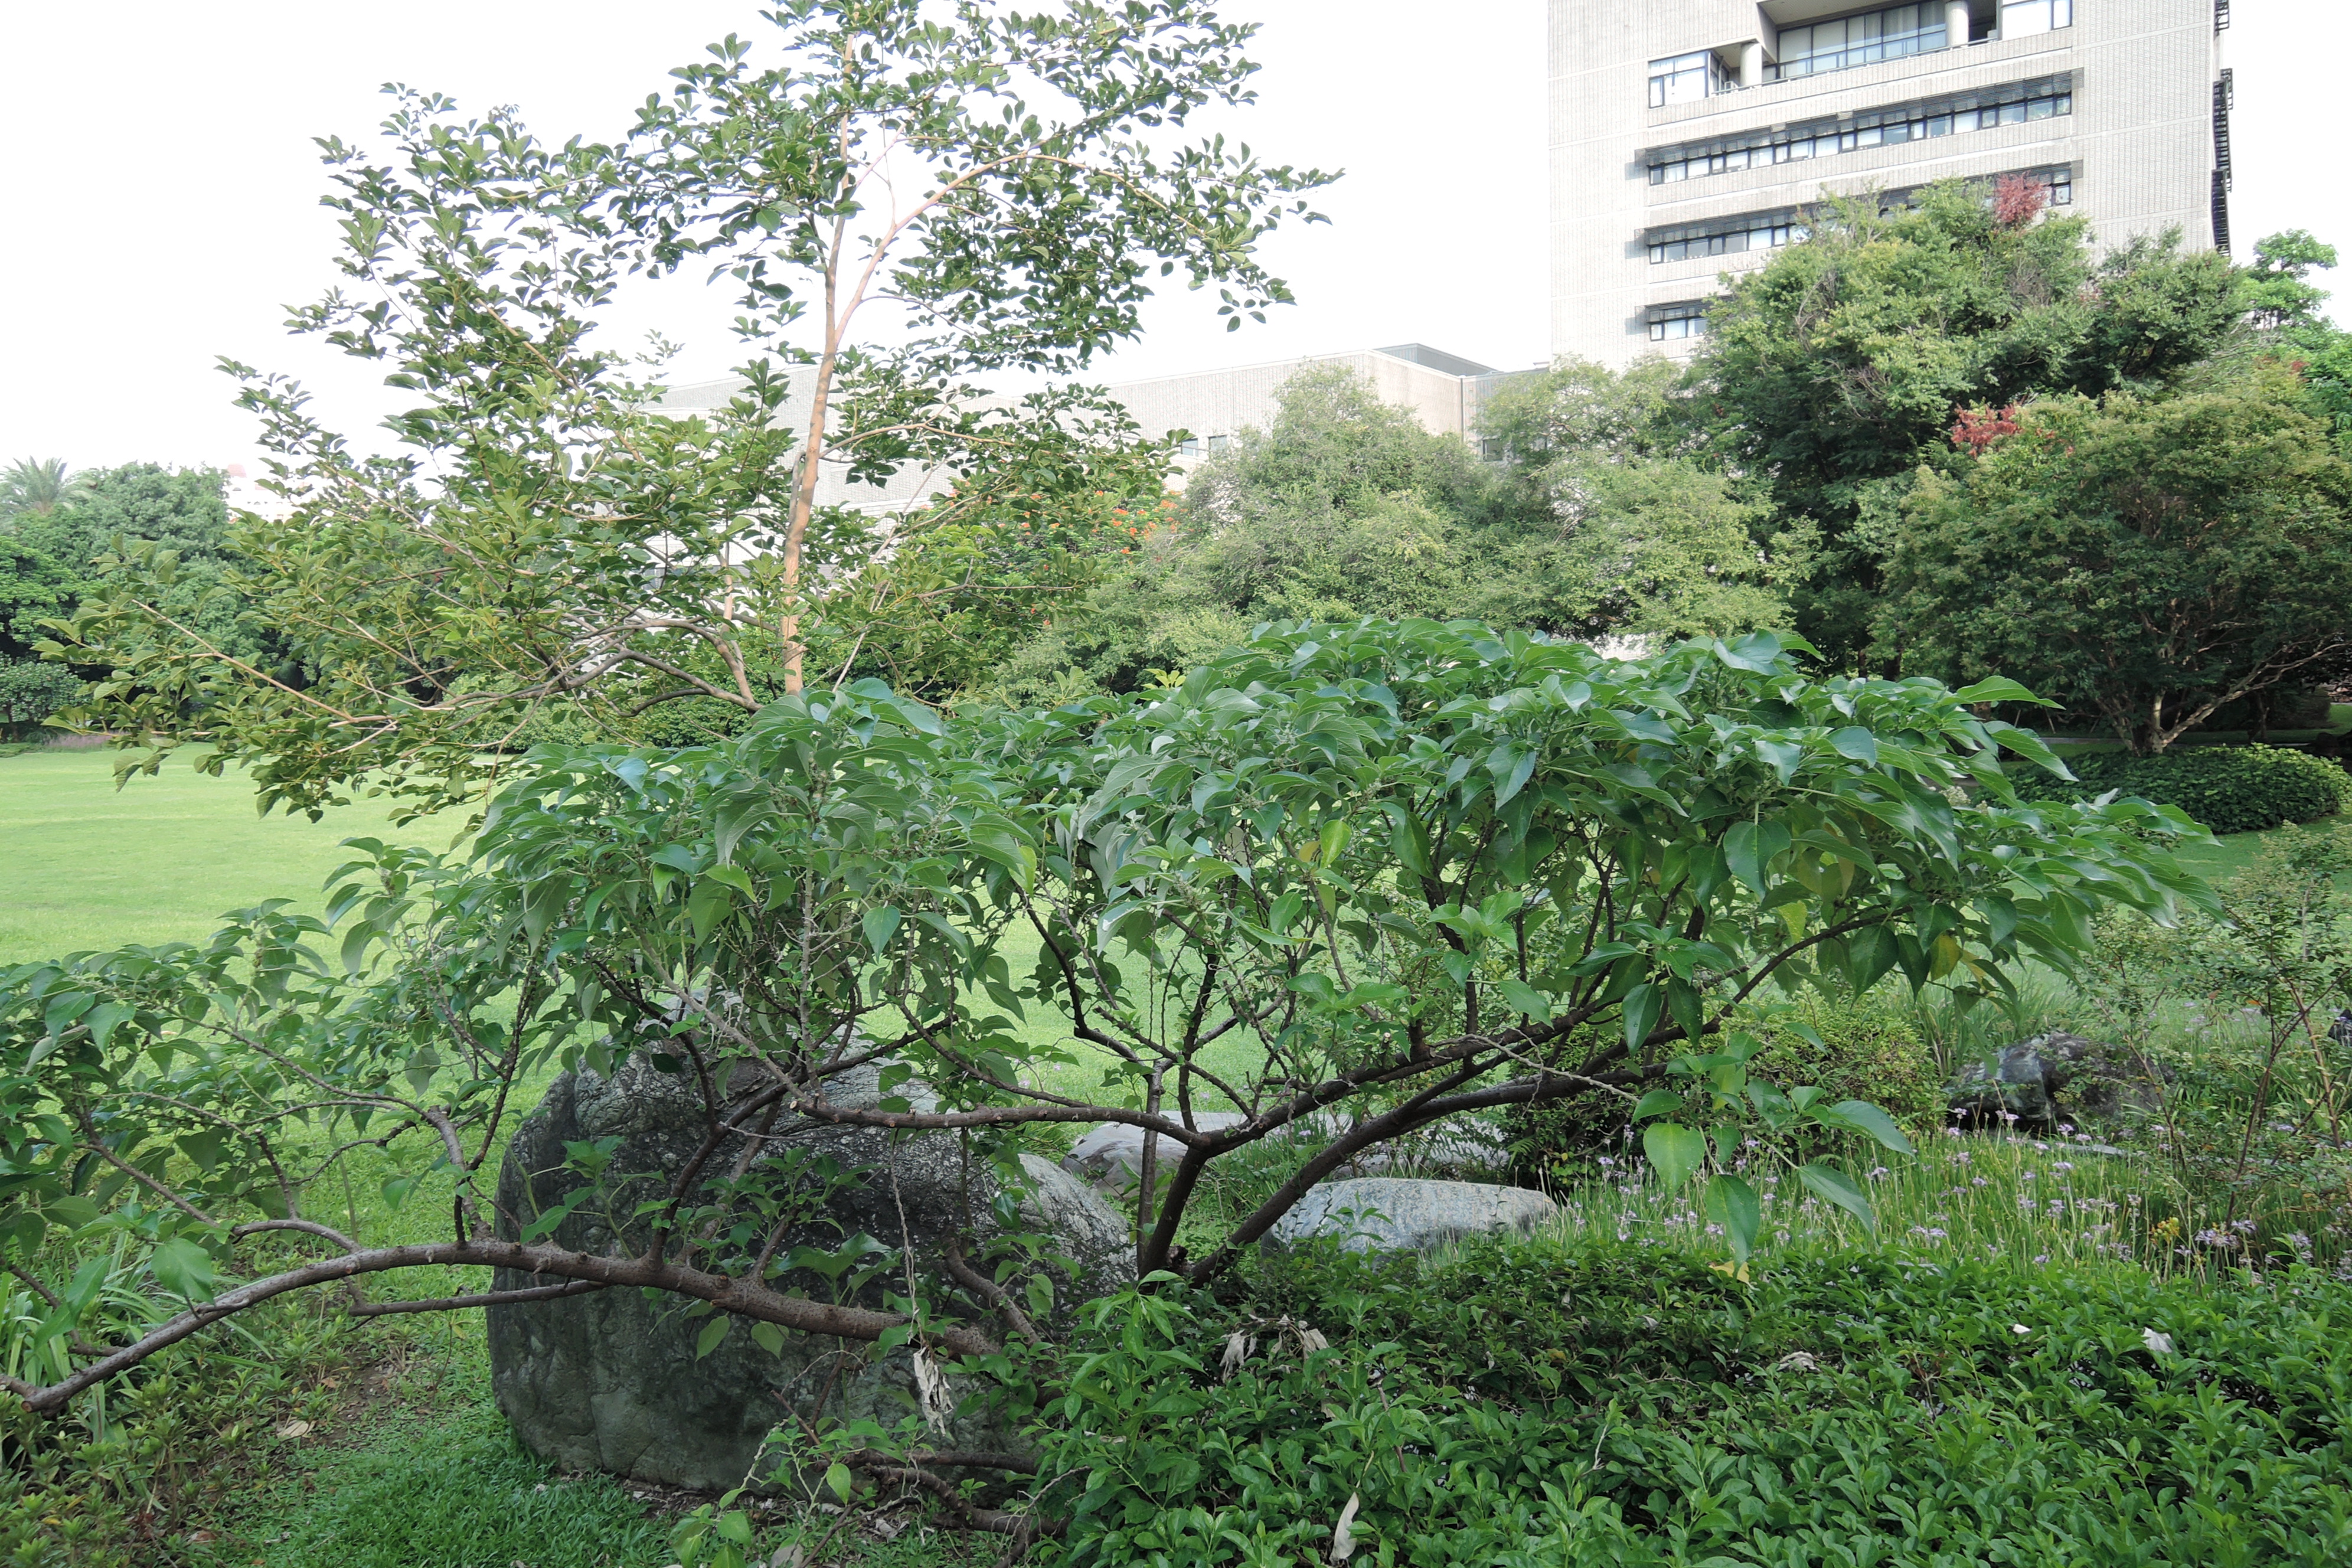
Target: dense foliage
{"points": [[1345, 507], [90, 533], [1617, 1404], [1830, 372], [2145, 561], [2230, 789]]}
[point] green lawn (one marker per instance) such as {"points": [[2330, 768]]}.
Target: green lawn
{"points": [[83, 865]]}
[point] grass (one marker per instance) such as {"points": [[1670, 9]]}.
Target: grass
{"points": [[89, 866], [2024, 1201], [438, 1479]]}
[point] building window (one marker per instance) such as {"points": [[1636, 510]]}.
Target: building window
{"points": [[1216, 445], [1912, 122], [1676, 322], [1754, 234], [2023, 19], [1683, 79], [1189, 448], [1863, 41]]}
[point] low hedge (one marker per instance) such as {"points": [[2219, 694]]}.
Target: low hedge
{"points": [[2230, 789]]}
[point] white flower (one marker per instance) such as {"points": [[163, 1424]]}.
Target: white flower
{"points": [[2157, 1345], [2019, 1329]]}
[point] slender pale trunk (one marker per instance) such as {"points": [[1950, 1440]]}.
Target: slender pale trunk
{"points": [[788, 628]]}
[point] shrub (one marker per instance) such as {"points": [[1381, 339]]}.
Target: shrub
{"points": [[29, 692], [1864, 1051], [2230, 789]]}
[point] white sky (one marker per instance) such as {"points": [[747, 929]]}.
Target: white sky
{"points": [[161, 186]]}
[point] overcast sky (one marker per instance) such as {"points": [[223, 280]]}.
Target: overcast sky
{"points": [[161, 186]]}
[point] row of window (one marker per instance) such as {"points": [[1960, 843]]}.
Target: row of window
{"points": [[1770, 231], [1882, 129], [1888, 33], [1191, 446], [1764, 236], [1668, 328]]}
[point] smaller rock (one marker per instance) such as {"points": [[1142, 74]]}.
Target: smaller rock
{"points": [[1393, 1214], [1111, 1155], [2059, 1077]]}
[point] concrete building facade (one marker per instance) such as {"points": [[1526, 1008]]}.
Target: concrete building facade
{"points": [[1690, 138], [1444, 391]]}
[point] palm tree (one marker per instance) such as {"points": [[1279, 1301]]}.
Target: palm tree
{"points": [[38, 485]]}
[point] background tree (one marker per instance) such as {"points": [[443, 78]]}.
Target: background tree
{"points": [[908, 197], [1345, 507], [2149, 559], [1625, 531], [37, 485], [1827, 373]]}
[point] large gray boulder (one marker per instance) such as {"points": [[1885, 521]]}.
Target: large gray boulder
{"points": [[1396, 1213], [610, 1381], [2058, 1078]]}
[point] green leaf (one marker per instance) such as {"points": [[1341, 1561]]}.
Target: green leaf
{"points": [[1865, 1117], [1829, 1182], [184, 1269], [837, 1477], [1657, 1103], [1675, 1152], [712, 1332], [103, 1020], [880, 925], [1857, 743], [769, 1338], [1642, 1005], [1869, 953], [710, 903], [1750, 847], [1995, 688], [1732, 1204], [1522, 998]]}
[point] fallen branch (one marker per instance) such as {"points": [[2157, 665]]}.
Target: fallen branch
{"points": [[742, 1297]]}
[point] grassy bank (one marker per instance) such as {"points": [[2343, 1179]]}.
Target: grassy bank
{"points": [[90, 866]]}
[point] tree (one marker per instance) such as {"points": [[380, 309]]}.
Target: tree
{"points": [[37, 485], [1342, 507], [1829, 372], [913, 196], [1363, 878], [2149, 559], [1345, 507], [1630, 532]]}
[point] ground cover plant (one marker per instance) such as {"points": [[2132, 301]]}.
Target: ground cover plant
{"points": [[1587, 1401]]}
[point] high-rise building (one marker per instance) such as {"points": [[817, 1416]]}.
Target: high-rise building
{"points": [[1691, 137]]}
